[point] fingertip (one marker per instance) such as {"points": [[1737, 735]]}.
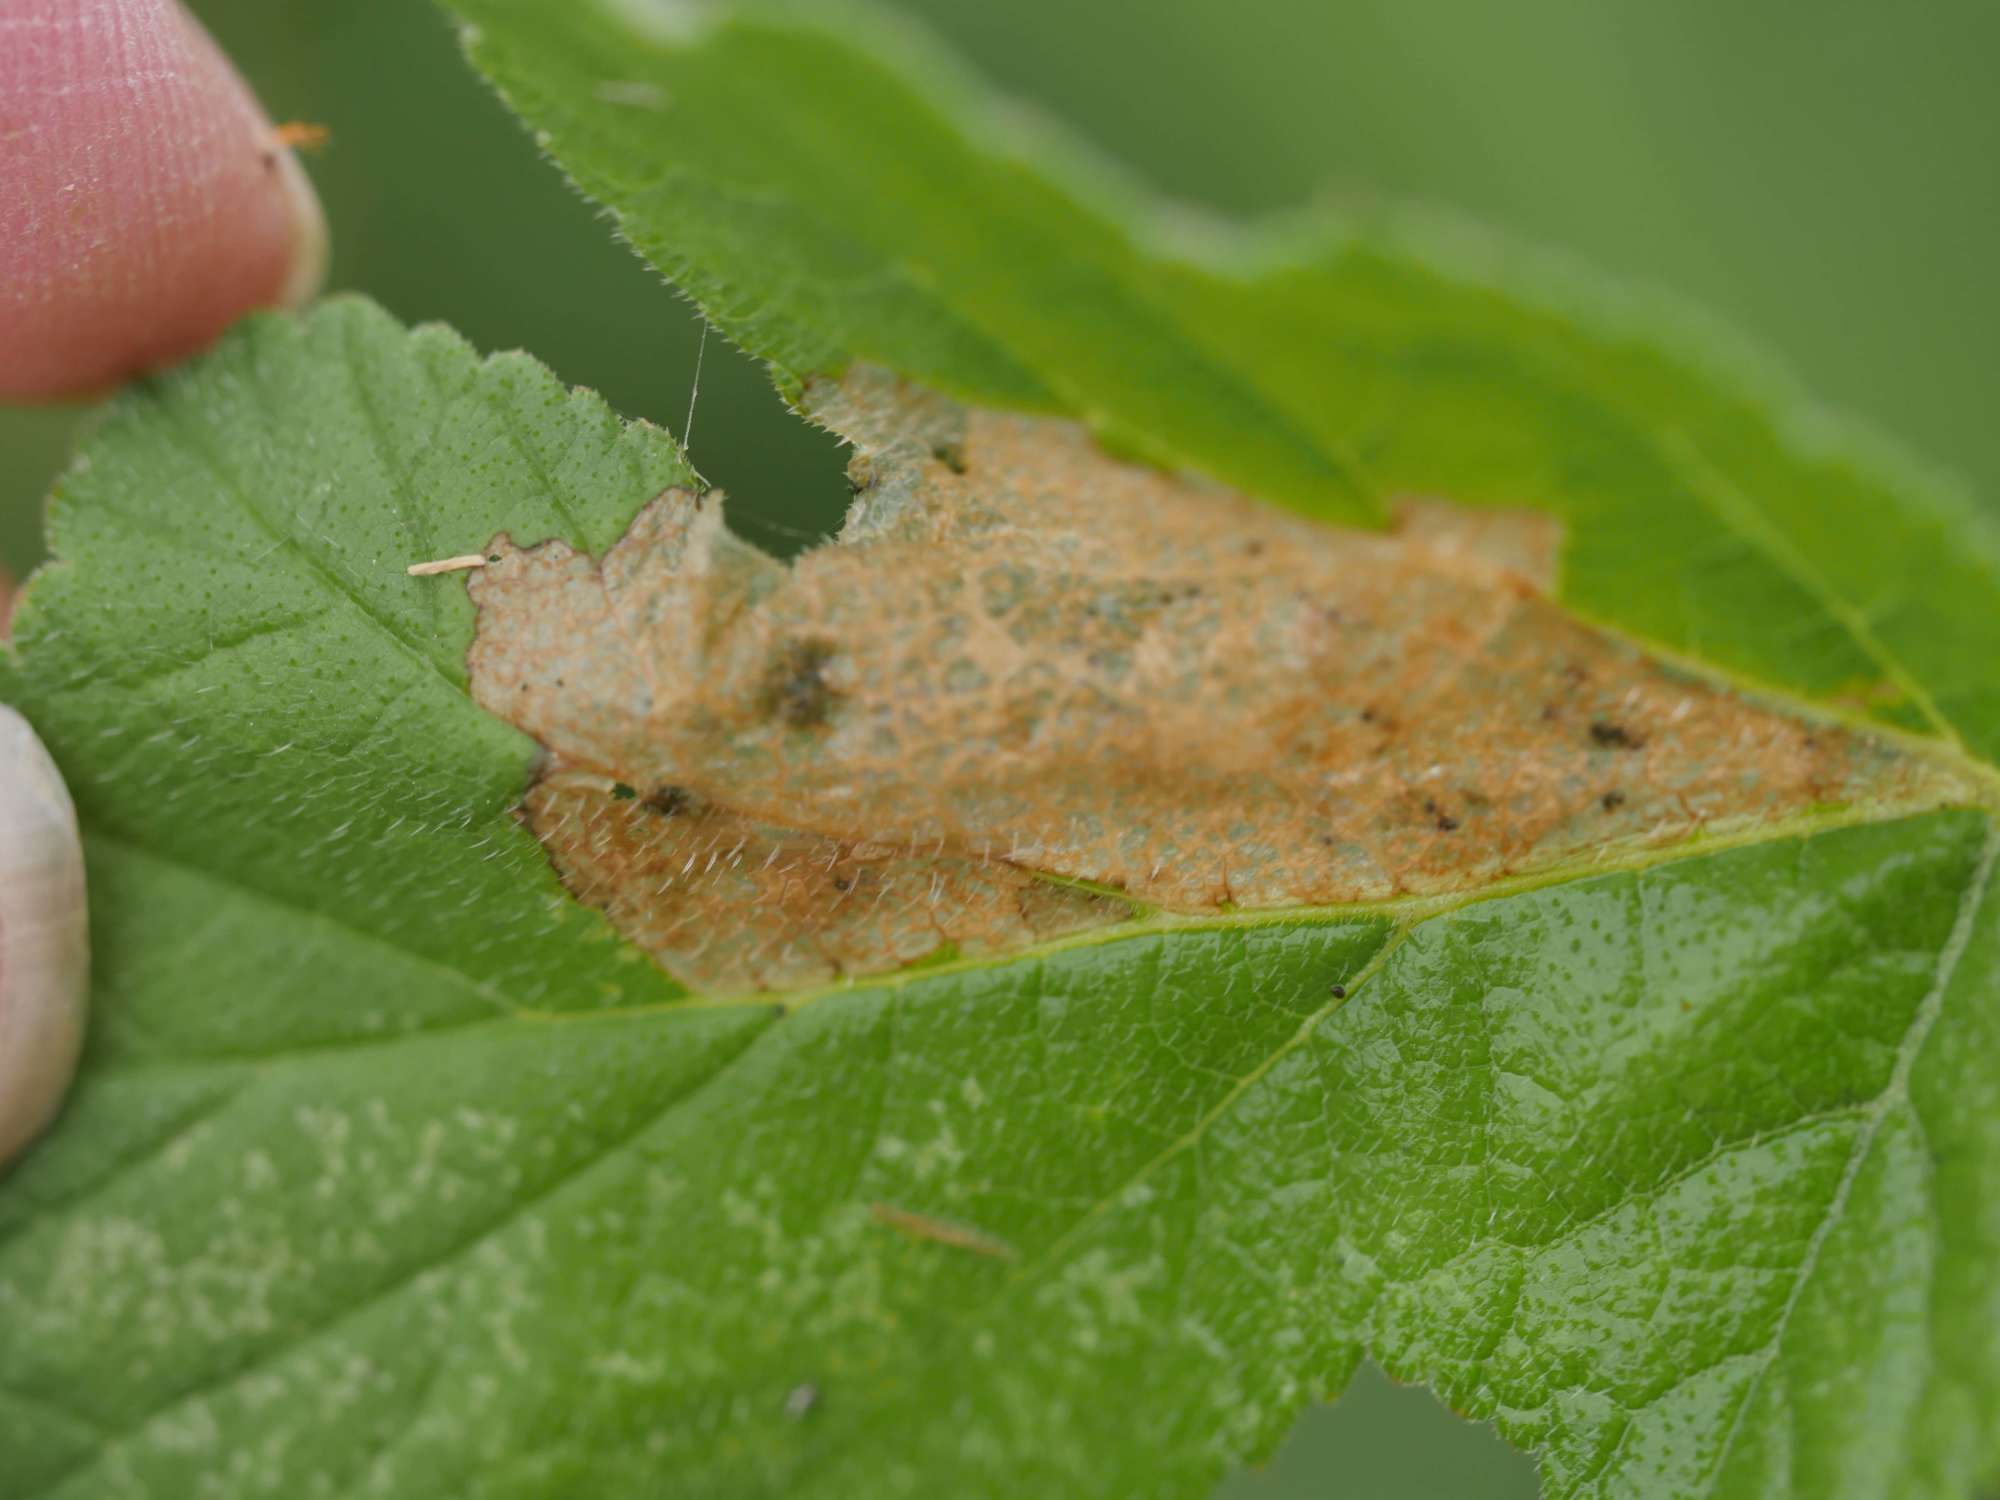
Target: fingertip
{"points": [[312, 246], [44, 952], [146, 202]]}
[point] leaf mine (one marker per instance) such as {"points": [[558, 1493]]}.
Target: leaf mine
{"points": [[1024, 659]]}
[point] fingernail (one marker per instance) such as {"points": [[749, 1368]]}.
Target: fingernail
{"points": [[44, 953], [311, 246]]}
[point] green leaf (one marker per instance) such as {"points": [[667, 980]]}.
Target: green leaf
{"points": [[388, 1170], [391, 1171]]}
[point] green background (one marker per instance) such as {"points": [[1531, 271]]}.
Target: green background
{"points": [[1820, 173]]}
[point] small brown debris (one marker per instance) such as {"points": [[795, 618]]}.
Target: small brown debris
{"points": [[1612, 800], [1614, 736], [940, 1231], [795, 686], [670, 801], [1440, 819], [448, 565], [301, 135]]}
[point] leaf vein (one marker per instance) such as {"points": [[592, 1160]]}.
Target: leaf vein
{"points": [[1896, 1090]]}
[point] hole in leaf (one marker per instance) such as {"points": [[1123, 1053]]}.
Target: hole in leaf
{"points": [[1383, 1441], [786, 478]]}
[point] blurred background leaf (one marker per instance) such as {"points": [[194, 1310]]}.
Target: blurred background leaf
{"points": [[1818, 171]]}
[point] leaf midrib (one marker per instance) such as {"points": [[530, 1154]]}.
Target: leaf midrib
{"points": [[1403, 912], [1399, 911]]}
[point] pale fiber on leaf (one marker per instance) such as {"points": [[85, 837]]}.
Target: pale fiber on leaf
{"points": [[457, 564]]}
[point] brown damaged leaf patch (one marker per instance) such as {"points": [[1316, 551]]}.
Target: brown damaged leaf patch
{"points": [[727, 903], [1022, 658]]}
